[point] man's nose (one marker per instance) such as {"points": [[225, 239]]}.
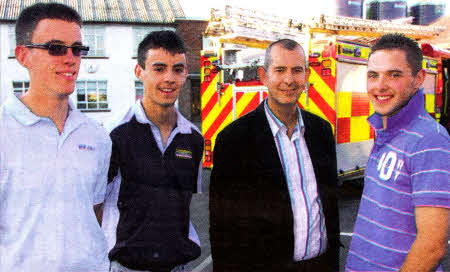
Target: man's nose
{"points": [[288, 78], [169, 76], [69, 57]]}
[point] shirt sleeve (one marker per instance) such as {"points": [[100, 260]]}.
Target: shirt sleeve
{"points": [[102, 178], [430, 172], [199, 177]]}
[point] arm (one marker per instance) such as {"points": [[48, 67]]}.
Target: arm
{"points": [[431, 241], [224, 203], [216, 205]]}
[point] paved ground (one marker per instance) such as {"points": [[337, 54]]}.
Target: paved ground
{"points": [[349, 197]]}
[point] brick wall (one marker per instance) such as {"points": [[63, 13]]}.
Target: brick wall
{"points": [[189, 99], [191, 32]]}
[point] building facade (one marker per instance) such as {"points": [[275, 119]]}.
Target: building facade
{"points": [[106, 84]]}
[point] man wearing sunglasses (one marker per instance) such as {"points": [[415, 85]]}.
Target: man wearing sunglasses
{"points": [[53, 159]]}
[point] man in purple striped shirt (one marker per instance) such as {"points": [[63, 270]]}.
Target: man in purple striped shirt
{"points": [[402, 222]]}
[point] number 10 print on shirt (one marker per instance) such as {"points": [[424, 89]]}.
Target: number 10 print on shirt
{"points": [[387, 164]]}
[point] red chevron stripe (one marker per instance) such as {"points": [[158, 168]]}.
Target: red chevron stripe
{"points": [[205, 84], [209, 106], [323, 105], [219, 120], [251, 105], [329, 80], [238, 96]]}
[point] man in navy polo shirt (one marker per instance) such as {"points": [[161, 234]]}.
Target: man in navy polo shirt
{"points": [[402, 223], [155, 167]]}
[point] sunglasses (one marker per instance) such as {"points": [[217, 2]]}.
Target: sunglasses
{"points": [[60, 49]]}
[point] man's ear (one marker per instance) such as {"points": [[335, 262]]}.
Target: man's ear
{"points": [[419, 78], [22, 55], [307, 74], [138, 70], [262, 74]]}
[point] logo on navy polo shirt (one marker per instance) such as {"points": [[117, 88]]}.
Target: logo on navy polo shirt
{"points": [[86, 147], [183, 154]]}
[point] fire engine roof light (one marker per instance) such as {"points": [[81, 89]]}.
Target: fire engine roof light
{"points": [[326, 63]]}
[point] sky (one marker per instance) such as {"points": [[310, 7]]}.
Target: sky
{"points": [[286, 8]]}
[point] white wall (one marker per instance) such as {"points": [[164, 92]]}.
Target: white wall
{"points": [[117, 69]]}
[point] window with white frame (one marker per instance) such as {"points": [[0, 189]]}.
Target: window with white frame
{"points": [[94, 37], [12, 40], [20, 87], [92, 95], [139, 33], [139, 87]]}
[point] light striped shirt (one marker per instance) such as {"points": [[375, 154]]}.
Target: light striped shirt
{"points": [[309, 221]]}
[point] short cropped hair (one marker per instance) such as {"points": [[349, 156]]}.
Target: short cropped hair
{"points": [[286, 44], [413, 52], [32, 15], [166, 39]]}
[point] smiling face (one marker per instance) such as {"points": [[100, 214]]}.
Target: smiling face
{"points": [[285, 77], [52, 75], [390, 81], [163, 77]]}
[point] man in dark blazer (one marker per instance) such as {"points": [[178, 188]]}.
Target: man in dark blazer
{"points": [[273, 204]]}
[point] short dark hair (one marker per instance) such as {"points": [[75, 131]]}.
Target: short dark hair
{"points": [[165, 39], [286, 44], [32, 15], [412, 50]]}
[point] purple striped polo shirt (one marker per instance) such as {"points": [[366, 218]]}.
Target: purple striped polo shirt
{"points": [[409, 166]]}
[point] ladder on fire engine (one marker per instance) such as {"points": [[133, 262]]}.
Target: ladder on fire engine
{"points": [[236, 24], [254, 28], [347, 26]]}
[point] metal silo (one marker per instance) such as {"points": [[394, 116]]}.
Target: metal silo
{"points": [[386, 9], [426, 11], [349, 8]]}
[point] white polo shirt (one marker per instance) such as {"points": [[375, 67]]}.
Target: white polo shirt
{"points": [[49, 183]]}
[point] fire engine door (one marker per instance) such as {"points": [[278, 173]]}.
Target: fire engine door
{"points": [[353, 133], [246, 99]]}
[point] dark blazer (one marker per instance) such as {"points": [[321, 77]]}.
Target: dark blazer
{"points": [[251, 220]]}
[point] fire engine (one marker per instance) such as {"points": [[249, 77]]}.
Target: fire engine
{"points": [[234, 45]]}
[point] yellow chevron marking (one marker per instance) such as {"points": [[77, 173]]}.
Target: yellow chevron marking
{"points": [[429, 103], [225, 123], [244, 101], [210, 91], [359, 129], [344, 104], [217, 109], [321, 87], [313, 108]]}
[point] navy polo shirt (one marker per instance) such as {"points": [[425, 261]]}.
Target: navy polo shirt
{"points": [[151, 186]]}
